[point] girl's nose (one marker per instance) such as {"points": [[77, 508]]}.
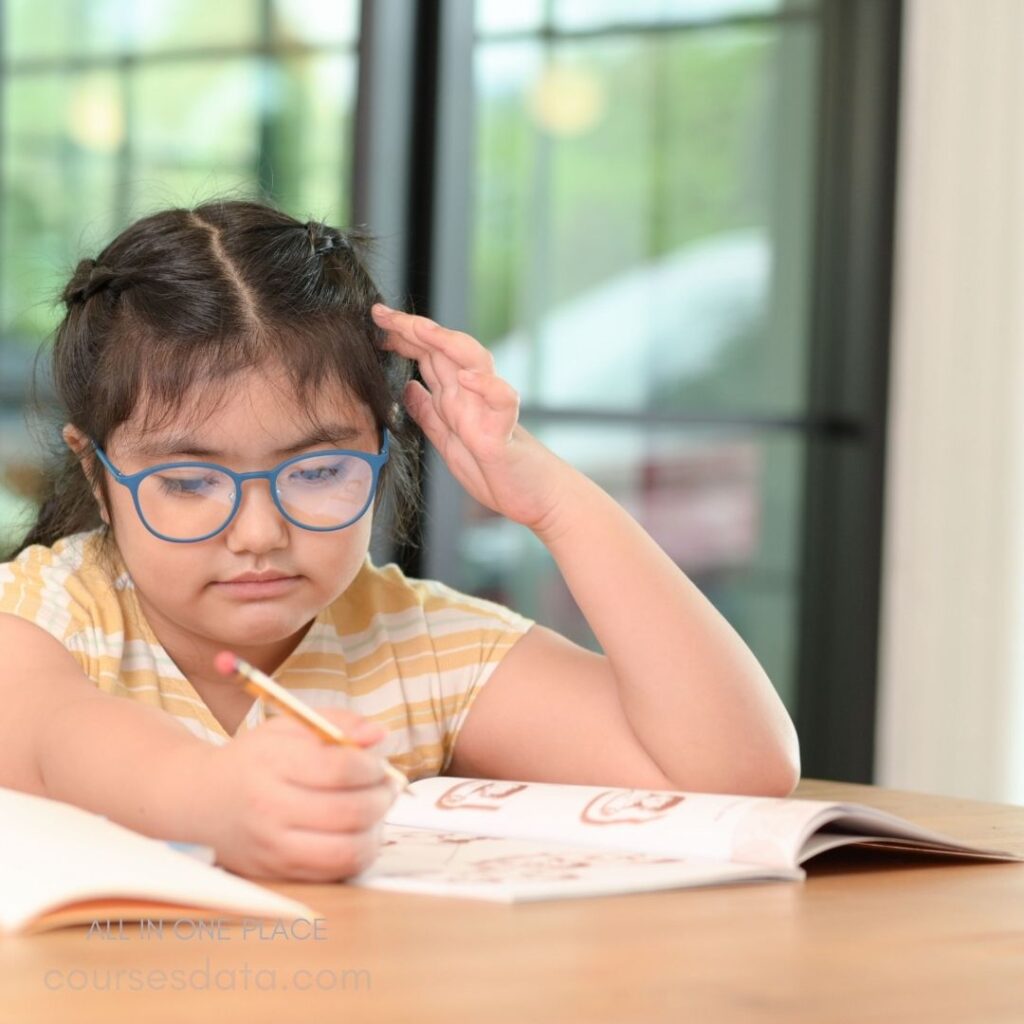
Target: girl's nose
{"points": [[258, 524]]}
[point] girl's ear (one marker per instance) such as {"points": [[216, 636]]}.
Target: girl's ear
{"points": [[79, 444], [75, 439]]}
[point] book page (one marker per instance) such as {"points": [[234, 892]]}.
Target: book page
{"points": [[775, 833], [843, 822], [434, 863], [712, 827], [54, 855]]}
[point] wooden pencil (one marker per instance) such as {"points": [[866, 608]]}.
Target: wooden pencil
{"points": [[259, 684]]}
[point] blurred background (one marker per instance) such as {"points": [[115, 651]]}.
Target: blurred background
{"points": [[700, 238]]}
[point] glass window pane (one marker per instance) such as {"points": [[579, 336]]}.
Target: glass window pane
{"points": [[196, 114], [497, 17], [725, 506], [191, 24], [643, 220], [313, 132], [574, 15], [317, 23], [59, 158], [59, 28], [180, 24], [19, 477], [202, 126], [35, 29]]}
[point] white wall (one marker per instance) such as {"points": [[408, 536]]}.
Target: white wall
{"points": [[952, 664]]}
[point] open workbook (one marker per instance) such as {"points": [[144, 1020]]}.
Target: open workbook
{"points": [[514, 841], [507, 841], [61, 865]]}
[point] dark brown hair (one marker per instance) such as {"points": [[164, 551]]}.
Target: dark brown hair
{"points": [[183, 299]]}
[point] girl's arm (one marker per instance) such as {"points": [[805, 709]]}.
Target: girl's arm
{"points": [[677, 699], [62, 738], [274, 802]]}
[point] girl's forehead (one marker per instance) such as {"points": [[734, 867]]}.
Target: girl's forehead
{"points": [[251, 404]]}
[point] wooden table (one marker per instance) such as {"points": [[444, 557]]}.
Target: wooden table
{"points": [[866, 938]]}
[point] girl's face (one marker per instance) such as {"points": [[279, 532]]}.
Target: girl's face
{"points": [[184, 589]]}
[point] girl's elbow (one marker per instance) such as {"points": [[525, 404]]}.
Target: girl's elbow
{"points": [[777, 773], [786, 775], [784, 780], [769, 781]]}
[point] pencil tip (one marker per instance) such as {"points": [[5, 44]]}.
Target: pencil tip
{"points": [[225, 663]]}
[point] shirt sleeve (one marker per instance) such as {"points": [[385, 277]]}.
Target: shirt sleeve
{"points": [[470, 637], [47, 594]]}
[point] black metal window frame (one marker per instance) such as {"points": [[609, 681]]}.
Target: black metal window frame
{"points": [[848, 389]]}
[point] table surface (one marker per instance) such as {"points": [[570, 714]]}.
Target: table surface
{"points": [[868, 936]]}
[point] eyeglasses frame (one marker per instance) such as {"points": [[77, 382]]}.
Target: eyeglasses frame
{"points": [[133, 480]]}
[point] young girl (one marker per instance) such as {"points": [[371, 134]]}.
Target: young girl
{"points": [[232, 395]]}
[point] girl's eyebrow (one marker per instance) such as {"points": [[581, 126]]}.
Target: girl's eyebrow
{"points": [[328, 433]]}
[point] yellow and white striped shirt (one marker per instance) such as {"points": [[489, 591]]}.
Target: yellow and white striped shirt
{"points": [[410, 654]]}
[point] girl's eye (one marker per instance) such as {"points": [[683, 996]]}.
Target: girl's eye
{"points": [[189, 485], [318, 474]]}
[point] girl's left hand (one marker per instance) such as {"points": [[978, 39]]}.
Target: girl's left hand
{"points": [[472, 417]]}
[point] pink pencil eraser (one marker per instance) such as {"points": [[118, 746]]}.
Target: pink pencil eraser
{"points": [[225, 663]]}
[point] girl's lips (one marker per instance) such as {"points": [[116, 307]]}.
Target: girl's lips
{"points": [[252, 588]]}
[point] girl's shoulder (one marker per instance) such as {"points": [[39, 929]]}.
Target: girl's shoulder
{"points": [[386, 593], [58, 582], [79, 554]]}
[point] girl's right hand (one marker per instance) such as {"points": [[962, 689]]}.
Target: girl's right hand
{"points": [[284, 803]]}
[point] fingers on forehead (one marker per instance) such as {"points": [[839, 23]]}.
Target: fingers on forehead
{"points": [[460, 347], [497, 393], [418, 338]]}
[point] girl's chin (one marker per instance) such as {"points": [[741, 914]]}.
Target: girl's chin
{"points": [[254, 625]]}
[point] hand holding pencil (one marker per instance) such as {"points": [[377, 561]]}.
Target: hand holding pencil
{"points": [[279, 802], [259, 684]]}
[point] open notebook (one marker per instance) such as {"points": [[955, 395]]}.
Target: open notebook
{"points": [[60, 865], [514, 841], [507, 841]]}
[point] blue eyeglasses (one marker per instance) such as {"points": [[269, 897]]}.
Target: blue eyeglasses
{"points": [[185, 502]]}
